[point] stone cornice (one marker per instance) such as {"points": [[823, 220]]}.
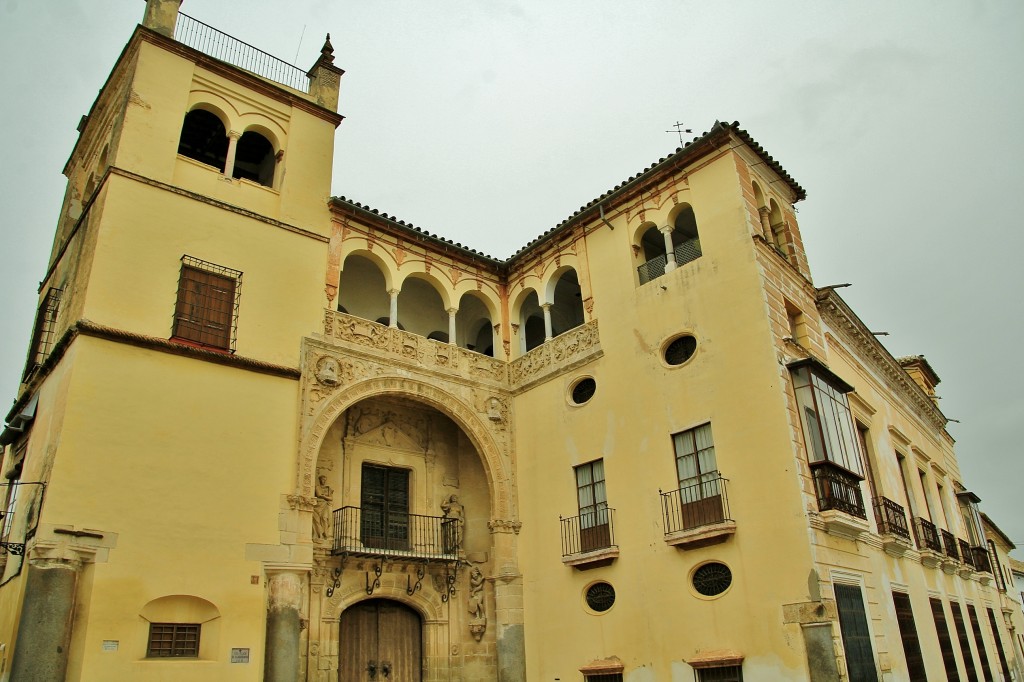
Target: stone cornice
{"points": [[869, 350]]}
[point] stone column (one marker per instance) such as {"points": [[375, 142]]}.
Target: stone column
{"points": [[282, 648], [451, 325], [766, 223], [508, 602], [229, 160], [670, 252], [393, 315], [547, 321], [44, 629]]}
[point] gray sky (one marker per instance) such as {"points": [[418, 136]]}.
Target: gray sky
{"points": [[490, 121]]}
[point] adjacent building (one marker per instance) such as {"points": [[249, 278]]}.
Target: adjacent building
{"points": [[265, 433]]}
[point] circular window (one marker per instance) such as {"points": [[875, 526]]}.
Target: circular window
{"points": [[712, 579], [600, 597], [583, 390], [680, 350]]}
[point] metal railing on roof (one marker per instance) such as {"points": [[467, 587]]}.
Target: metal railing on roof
{"points": [[220, 45]]}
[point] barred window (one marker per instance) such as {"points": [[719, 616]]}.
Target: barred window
{"points": [[206, 312], [603, 677], [726, 673], [42, 334], [173, 640]]}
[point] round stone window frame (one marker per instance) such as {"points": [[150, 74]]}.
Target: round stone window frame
{"points": [[672, 339], [572, 387], [706, 597], [586, 605]]}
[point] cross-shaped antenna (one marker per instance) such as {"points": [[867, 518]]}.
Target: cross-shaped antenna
{"points": [[679, 129]]}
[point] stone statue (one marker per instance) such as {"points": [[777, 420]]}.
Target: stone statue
{"points": [[475, 604], [322, 511], [454, 514]]}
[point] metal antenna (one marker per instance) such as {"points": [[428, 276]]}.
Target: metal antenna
{"points": [[679, 129], [301, 36]]}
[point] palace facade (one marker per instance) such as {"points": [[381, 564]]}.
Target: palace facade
{"points": [[266, 433]]}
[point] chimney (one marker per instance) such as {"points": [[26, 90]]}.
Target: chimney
{"points": [[325, 77], [161, 16]]}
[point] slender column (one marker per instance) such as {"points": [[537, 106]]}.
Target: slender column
{"points": [[393, 315], [766, 223], [451, 325], [281, 662], [670, 255], [547, 322], [44, 629], [229, 160], [508, 602]]}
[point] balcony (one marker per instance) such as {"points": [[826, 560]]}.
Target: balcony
{"points": [[697, 515], [684, 253], [981, 560], [374, 533], [949, 545], [892, 526], [226, 48], [838, 489], [588, 540], [928, 542]]}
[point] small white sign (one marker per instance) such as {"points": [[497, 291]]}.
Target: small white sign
{"points": [[110, 644], [239, 655]]}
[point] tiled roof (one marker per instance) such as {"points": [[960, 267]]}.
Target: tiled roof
{"points": [[684, 153]]}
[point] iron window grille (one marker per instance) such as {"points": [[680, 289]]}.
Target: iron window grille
{"points": [[603, 677], [173, 640], [725, 673], [43, 332], [600, 597], [712, 579], [206, 312]]}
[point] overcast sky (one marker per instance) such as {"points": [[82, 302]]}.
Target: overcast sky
{"points": [[490, 121]]}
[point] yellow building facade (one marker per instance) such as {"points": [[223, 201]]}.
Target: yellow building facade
{"points": [[265, 433]]}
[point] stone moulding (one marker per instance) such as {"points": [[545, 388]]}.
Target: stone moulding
{"points": [[412, 348], [561, 354], [844, 525], [895, 545], [586, 560], [703, 536]]}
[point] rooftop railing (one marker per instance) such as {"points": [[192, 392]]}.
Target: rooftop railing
{"points": [[373, 532], [219, 45]]}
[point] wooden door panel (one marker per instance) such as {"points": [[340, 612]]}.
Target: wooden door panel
{"points": [[359, 642], [382, 632]]}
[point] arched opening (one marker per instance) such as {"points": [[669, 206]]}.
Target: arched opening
{"points": [[567, 311], [531, 323], [685, 239], [181, 626], [380, 639], [777, 226], [204, 139], [438, 336], [254, 159], [473, 329], [362, 289], [421, 308], [652, 245]]}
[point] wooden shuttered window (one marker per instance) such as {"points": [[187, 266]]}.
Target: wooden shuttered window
{"points": [[853, 624], [385, 507], [979, 642], [908, 633], [999, 644], [945, 641], [173, 640], [965, 645], [207, 304]]}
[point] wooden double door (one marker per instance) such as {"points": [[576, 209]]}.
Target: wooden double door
{"points": [[381, 640]]}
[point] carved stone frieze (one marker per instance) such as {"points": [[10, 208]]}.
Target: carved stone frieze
{"points": [[504, 526], [561, 353]]}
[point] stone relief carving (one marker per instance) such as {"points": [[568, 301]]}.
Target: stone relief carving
{"points": [[328, 371], [475, 604], [563, 349], [389, 427]]}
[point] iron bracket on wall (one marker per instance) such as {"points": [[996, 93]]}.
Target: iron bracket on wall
{"points": [[335, 581], [449, 582], [410, 588], [377, 570]]}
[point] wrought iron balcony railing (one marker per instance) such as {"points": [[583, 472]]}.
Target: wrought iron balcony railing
{"points": [[219, 45], [374, 532], [838, 489], [927, 535], [699, 504], [981, 560], [892, 519], [950, 545], [588, 532], [965, 553], [684, 253]]}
